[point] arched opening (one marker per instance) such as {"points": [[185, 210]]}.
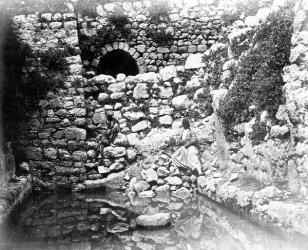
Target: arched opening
{"points": [[116, 62]]}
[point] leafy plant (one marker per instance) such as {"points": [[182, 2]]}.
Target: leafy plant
{"points": [[118, 27], [53, 58], [159, 13], [259, 131], [258, 78], [160, 36], [118, 19]]}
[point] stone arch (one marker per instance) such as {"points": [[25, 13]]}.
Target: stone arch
{"points": [[122, 46]]}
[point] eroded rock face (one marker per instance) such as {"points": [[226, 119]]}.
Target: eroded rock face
{"points": [[153, 220]]}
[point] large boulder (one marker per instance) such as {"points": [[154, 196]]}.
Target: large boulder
{"points": [[181, 102], [153, 220]]}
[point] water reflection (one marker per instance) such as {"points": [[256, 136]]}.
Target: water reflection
{"points": [[107, 221]]}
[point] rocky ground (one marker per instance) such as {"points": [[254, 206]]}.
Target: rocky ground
{"points": [[225, 181]]}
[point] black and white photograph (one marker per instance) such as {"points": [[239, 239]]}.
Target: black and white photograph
{"points": [[153, 124]]}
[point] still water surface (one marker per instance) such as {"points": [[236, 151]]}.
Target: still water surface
{"points": [[107, 221]]}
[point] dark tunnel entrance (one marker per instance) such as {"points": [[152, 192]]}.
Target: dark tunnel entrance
{"points": [[116, 62]]}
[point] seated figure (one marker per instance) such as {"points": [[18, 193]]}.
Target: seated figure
{"points": [[113, 127], [187, 156]]}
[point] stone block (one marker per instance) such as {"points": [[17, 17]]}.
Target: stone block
{"points": [[79, 156], [75, 133], [141, 91], [140, 126], [168, 72], [181, 102], [165, 120], [114, 152], [50, 153]]}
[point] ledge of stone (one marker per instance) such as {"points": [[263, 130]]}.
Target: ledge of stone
{"points": [[13, 193], [264, 205]]}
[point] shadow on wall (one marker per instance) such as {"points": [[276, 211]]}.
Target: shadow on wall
{"points": [[116, 62], [20, 91]]}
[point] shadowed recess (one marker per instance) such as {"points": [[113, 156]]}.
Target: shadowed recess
{"points": [[116, 62]]}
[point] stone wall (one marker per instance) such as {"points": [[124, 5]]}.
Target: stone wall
{"points": [[193, 27], [68, 149], [54, 122], [61, 132]]}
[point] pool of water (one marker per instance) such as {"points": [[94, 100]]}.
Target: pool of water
{"points": [[106, 220]]}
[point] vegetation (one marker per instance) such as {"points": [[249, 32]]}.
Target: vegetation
{"points": [[53, 59], [118, 27], [246, 8], [258, 79], [159, 13]]}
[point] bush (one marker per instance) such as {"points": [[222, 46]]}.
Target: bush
{"points": [[160, 37], [214, 60], [119, 20], [53, 59], [259, 131], [258, 78], [159, 12]]}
